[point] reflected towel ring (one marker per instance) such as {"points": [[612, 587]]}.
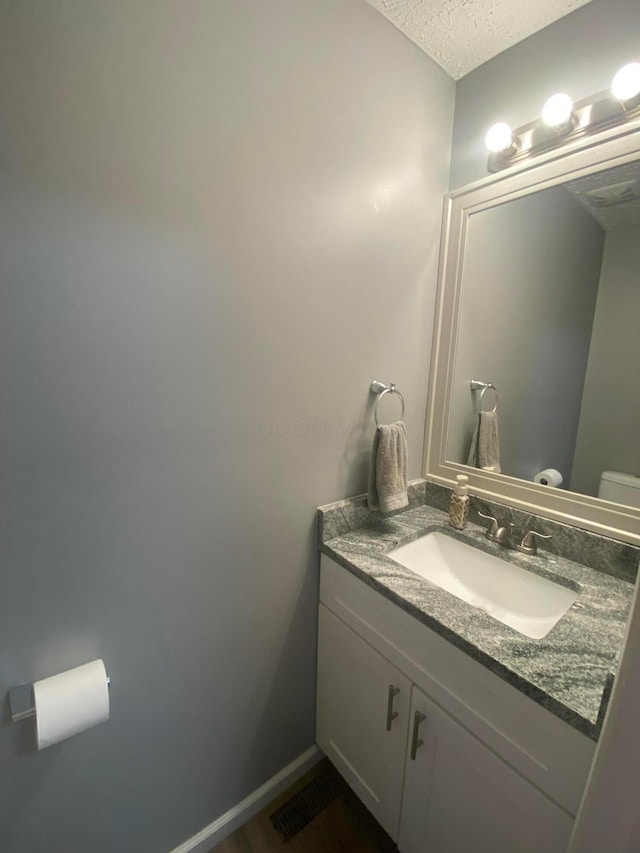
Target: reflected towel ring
{"points": [[381, 389], [479, 385], [486, 388]]}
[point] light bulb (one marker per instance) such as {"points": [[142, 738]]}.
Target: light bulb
{"points": [[557, 110], [626, 83], [499, 138]]}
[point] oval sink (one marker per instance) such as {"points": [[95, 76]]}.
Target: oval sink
{"points": [[524, 601]]}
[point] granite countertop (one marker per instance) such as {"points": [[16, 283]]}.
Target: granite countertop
{"points": [[569, 671]]}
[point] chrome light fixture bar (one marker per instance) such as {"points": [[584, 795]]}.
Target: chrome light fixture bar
{"points": [[562, 121]]}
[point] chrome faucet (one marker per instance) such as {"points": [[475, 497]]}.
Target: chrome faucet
{"points": [[501, 534], [504, 536]]}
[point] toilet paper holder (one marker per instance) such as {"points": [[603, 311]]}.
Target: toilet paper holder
{"points": [[22, 704]]}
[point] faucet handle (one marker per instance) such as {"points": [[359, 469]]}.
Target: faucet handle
{"points": [[492, 529], [529, 544]]}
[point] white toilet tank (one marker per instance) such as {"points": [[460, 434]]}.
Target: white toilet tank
{"points": [[620, 488]]}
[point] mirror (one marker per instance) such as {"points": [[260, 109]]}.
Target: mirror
{"points": [[540, 295], [550, 312]]}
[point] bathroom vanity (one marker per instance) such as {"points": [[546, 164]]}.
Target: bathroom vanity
{"points": [[461, 731], [457, 731]]}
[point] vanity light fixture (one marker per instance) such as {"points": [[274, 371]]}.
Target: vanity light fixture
{"points": [[563, 121], [499, 139], [558, 112], [625, 86]]}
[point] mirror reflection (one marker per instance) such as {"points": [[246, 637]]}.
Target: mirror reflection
{"points": [[550, 314]]}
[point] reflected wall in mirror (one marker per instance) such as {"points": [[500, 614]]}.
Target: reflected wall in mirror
{"points": [[550, 313], [539, 293]]}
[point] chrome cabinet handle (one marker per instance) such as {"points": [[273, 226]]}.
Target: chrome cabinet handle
{"points": [[416, 742], [391, 714]]}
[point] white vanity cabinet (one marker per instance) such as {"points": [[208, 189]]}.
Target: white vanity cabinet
{"points": [[362, 718], [459, 796], [447, 756]]}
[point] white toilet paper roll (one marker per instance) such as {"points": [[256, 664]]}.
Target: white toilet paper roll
{"points": [[70, 702], [548, 477]]}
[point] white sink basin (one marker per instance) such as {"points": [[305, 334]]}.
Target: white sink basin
{"points": [[524, 601]]}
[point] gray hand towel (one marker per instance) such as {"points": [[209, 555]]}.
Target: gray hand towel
{"points": [[388, 469], [485, 447]]}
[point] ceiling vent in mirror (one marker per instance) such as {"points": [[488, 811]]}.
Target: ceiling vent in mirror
{"points": [[614, 194]]}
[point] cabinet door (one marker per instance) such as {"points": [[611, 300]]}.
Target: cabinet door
{"points": [[353, 718], [460, 797]]}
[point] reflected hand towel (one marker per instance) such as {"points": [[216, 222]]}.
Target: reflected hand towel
{"points": [[484, 452]]}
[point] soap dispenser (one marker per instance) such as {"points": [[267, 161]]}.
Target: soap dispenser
{"points": [[459, 506]]}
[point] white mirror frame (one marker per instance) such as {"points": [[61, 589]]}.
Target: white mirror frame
{"points": [[605, 150]]}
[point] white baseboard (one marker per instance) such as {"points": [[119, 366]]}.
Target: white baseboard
{"points": [[255, 802]]}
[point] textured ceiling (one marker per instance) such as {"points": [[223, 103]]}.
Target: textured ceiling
{"points": [[462, 34], [611, 197]]}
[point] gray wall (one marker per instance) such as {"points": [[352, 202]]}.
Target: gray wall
{"points": [[220, 222], [528, 300], [610, 416], [579, 54]]}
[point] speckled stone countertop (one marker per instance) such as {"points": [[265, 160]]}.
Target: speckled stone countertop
{"points": [[568, 671]]}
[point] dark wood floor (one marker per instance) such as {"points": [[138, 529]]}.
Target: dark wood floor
{"points": [[344, 826]]}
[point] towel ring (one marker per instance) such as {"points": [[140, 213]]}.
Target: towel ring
{"points": [[381, 389], [486, 388]]}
